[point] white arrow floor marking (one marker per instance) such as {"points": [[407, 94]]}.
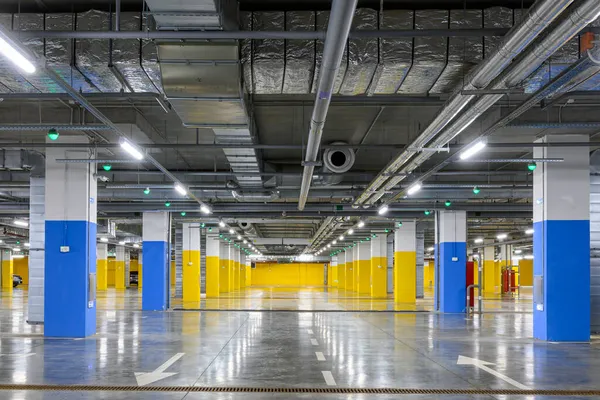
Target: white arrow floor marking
{"points": [[462, 360], [146, 378]]}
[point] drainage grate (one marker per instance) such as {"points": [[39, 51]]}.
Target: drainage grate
{"points": [[226, 389]]}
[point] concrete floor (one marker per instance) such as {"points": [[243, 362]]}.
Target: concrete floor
{"points": [[289, 349]]}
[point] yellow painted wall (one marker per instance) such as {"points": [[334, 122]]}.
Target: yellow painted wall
{"points": [[491, 276], [350, 275], [110, 272], [405, 275], [191, 275], [526, 272], [296, 274], [212, 276], [429, 275], [134, 266], [140, 271], [224, 271], [7, 273], [334, 276], [21, 268], [363, 277], [101, 274], [341, 276], [236, 275], [379, 277], [120, 275], [173, 268], [249, 275]]}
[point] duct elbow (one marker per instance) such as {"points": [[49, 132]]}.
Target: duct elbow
{"points": [[337, 161]]}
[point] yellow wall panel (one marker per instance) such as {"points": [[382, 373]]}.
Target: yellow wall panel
{"points": [[21, 268], [212, 276], [7, 273], [223, 275], [119, 274], [350, 275], [296, 274], [101, 274], [405, 275], [110, 272], [363, 277], [491, 276], [341, 276], [173, 273], [526, 272]]}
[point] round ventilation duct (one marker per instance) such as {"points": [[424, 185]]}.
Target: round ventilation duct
{"points": [[337, 161]]}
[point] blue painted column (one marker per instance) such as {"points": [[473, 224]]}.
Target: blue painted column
{"points": [[155, 247], [451, 261], [561, 242], [70, 243]]}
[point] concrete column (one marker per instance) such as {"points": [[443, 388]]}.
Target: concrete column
{"points": [[363, 267], [451, 291], [140, 269], [224, 270], [212, 265], [561, 242], [334, 271], [491, 271], [342, 270], [157, 257], [101, 266], [70, 243], [405, 263], [120, 267], [191, 262], [378, 267], [350, 268], [37, 234], [7, 271]]}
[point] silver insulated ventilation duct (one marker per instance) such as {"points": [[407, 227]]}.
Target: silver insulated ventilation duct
{"points": [[337, 161]]}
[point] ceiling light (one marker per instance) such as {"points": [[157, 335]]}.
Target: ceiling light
{"points": [[180, 189], [334, 242], [430, 249], [147, 191], [473, 149], [426, 212], [528, 257], [479, 240], [341, 237], [529, 231], [413, 189], [531, 166], [107, 167], [121, 243], [222, 224], [137, 246], [328, 246], [383, 209], [131, 149], [448, 203], [239, 237], [19, 222], [167, 204], [27, 245], [16, 249], [53, 134], [502, 236], [205, 209], [183, 213], [18, 256], [361, 224], [350, 231], [476, 190], [103, 239], [15, 56], [231, 231], [518, 251], [245, 241]]}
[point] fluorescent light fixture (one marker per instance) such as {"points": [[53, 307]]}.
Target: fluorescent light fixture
{"points": [[334, 242], [341, 237], [15, 56], [239, 237], [413, 189], [205, 209], [103, 239], [328, 246], [231, 231], [518, 251], [528, 257], [517, 258], [529, 231], [383, 209], [430, 249], [19, 222], [121, 243], [137, 246], [350, 231], [245, 241], [502, 236], [473, 149], [16, 249], [222, 224], [180, 189], [361, 224], [18, 255], [479, 240], [131, 149], [27, 244]]}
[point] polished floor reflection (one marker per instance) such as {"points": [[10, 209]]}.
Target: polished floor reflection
{"points": [[264, 348]]}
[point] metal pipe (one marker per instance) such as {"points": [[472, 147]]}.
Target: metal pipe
{"points": [[258, 35], [468, 308], [58, 127], [524, 67], [520, 36], [340, 21], [117, 15]]}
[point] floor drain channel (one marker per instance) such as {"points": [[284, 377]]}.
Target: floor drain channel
{"points": [[226, 389]]}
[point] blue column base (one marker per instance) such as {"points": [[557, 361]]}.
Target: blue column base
{"points": [[562, 257], [451, 282], [155, 276], [67, 311]]}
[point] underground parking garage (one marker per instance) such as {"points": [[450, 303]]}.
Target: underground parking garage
{"points": [[275, 199]]}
